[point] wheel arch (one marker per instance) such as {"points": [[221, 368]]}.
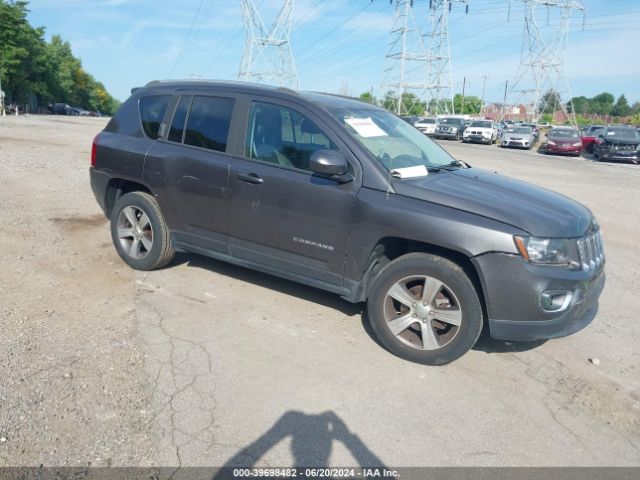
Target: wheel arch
{"points": [[117, 187], [388, 249]]}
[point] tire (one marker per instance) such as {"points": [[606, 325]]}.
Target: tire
{"points": [[136, 219], [405, 278]]}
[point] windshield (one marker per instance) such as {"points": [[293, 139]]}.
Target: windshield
{"points": [[520, 130], [481, 124], [450, 121], [564, 133], [391, 141], [626, 133]]}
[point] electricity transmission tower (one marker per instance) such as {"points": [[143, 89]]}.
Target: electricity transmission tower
{"points": [[267, 54], [541, 77], [440, 90], [406, 71]]}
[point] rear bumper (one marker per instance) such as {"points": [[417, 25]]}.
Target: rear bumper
{"points": [[513, 290], [99, 182]]}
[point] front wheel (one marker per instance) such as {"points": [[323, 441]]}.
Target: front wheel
{"points": [[425, 309], [139, 232]]}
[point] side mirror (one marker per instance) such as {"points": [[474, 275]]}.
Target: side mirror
{"points": [[328, 162]]}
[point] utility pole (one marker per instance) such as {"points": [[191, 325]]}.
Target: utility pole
{"points": [[406, 68], [464, 83], [440, 92], [542, 64], [267, 54], [504, 100], [484, 84]]}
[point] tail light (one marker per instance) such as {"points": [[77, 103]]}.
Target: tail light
{"points": [[94, 149]]}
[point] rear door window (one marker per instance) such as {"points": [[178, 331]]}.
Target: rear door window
{"points": [[152, 110], [208, 123]]}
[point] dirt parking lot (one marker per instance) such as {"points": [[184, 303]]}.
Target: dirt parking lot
{"points": [[204, 363]]}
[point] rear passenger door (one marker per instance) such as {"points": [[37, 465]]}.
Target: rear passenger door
{"points": [[189, 166], [282, 214]]}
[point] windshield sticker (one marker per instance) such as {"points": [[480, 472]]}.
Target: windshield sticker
{"points": [[410, 172], [365, 127]]}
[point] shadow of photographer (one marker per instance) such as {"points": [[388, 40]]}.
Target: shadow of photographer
{"points": [[312, 438]]}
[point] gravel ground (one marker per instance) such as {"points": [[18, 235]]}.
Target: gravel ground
{"points": [[205, 363]]}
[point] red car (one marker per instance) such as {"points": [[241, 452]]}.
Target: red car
{"points": [[589, 136], [563, 140]]}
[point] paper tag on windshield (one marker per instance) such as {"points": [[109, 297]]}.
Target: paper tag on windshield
{"points": [[410, 172], [365, 127]]}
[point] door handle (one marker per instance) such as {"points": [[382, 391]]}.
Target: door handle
{"points": [[249, 178]]}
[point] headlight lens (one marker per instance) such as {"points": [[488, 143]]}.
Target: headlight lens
{"points": [[548, 251], [551, 142], [577, 144]]}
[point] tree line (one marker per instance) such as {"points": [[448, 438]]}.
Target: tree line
{"points": [[37, 73], [604, 104]]}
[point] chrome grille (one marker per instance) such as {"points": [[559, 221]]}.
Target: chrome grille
{"points": [[591, 252]]}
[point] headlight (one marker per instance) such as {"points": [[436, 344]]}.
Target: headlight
{"points": [[454, 129], [548, 251], [551, 142], [577, 144]]}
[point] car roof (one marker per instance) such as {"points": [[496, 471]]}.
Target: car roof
{"points": [[318, 98]]}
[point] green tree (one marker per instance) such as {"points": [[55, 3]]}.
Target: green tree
{"points": [[602, 104], [34, 71], [368, 97], [472, 105], [579, 105], [410, 103], [621, 107], [550, 102]]}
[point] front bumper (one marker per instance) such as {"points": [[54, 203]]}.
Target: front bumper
{"points": [[513, 290], [509, 142], [445, 134], [569, 150], [427, 130], [477, 139], [620, 155]]}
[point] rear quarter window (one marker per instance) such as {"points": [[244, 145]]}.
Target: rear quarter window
{"points": [[152, 110]]}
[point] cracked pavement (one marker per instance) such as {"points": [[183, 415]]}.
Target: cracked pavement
{"points": [[208, 364]]}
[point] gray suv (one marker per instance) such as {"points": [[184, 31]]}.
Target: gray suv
{"points": [[344, 196]]}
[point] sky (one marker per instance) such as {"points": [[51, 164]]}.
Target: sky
{"points": [[339, 45]]}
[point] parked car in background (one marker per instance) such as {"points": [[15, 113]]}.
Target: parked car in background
{"points": [[480, 131], [451, 128], [589, 136], [563, 141], [520, 137], [427, 125], [534, 128], [617, 143], [410, 119]]}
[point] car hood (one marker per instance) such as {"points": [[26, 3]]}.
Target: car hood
{"points": [[564, 139], [538, 211]]}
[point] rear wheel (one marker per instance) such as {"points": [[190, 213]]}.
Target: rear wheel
{"points": [[425, 309], [139, 232]]}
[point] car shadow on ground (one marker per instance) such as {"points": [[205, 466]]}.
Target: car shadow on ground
{"points": [[311, 440], [271, 282], [484, 344]]}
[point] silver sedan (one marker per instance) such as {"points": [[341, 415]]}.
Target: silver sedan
{"points": [[521, 137]]}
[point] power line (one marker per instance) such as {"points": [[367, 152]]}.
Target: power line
{"points": [[186, 39]]}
